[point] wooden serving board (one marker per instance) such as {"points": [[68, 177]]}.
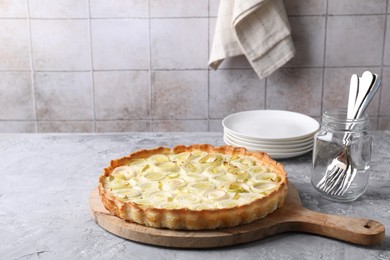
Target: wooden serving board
{"points": [[291, 217]]}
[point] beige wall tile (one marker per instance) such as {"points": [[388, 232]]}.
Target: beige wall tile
{"points": [[180, 126], [61, 44], [17, 126], [13, 9], [151, 57], [58, 9], [122, 95], [297, 90], [64, 95], [120, 44], [233, 91], [215, 125], [14, 44], [385, 93], [384, 123], [178, 8], [308, 34], [373, 123], [16, 96], [386, 59], [305, 7], [356, 6], [180, 43], [354, 40], [65, 126], [214, 6], [123, 126], [336, 88], [119, 8], [179, 94]]}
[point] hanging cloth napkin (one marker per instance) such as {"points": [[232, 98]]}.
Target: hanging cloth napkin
{"points": [[259, 29]]}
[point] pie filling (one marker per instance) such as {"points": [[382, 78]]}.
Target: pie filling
{"points": [[198, 179]]}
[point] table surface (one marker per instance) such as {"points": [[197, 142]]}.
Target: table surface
{"points": [[46, 180]]}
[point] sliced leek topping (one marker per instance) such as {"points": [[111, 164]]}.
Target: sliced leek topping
{"points": [[188, 198], [238, 187], [193, 167], [197, 154], [123, 172], [215, 195], [155, 176], [149, 186], [266, 176], [166, 167], [194, 180], [223, 180], [174, 184], [241, 176], [208, 158], [181, 158], [156, 158], [227, 204], [215, 171], [160, 196], [138, 165], [128, 193], [261, 187], [245, 197], [116, 184], [195, 177], [201, 186], [172, 175], [257, 169]]}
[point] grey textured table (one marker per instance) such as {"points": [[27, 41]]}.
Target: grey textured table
{"points": [[46, 179]]}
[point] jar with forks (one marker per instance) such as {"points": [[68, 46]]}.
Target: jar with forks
{"points": [[341, 156]]}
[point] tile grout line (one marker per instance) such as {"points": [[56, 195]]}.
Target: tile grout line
{"points": [[265, 92], [175, 17], [196, 69], [32, 67], [382, 65], [92, 70], [324, 61], [208, 69], [151, 107]]}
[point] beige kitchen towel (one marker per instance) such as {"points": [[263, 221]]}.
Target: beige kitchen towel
{"points": [[258, 29]]}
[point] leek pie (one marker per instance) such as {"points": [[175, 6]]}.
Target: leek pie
{"points": [[193, 187]]}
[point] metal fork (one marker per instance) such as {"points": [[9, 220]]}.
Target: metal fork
{"points": [[334, 172], [340, 173]]}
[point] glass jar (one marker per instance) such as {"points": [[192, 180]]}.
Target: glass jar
{"points": [[339, 142]]}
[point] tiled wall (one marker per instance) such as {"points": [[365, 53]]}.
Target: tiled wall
{"points": [[141, 65]]}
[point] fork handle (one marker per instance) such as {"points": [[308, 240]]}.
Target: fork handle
{"points": [[360, 231]]}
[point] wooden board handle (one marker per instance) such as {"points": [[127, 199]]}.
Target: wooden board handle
{"points": [[360, 231]]}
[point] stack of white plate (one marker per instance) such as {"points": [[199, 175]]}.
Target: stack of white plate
{"points": [[281, 134]]}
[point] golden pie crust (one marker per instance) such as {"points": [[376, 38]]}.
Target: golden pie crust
{"points": [[246, 198]]}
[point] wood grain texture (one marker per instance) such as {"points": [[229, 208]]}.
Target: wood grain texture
{"points": [[292, 217]]}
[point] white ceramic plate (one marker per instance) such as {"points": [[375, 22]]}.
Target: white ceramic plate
{"points": [[286, 144], [277, 156], [270, 148], [270, 125]]}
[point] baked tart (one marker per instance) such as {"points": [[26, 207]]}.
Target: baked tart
{"points": [[194, 187]]}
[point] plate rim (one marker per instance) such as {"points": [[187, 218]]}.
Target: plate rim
{"points": [[279, 155], [224, 121], [287, 150], [291, 144]]}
